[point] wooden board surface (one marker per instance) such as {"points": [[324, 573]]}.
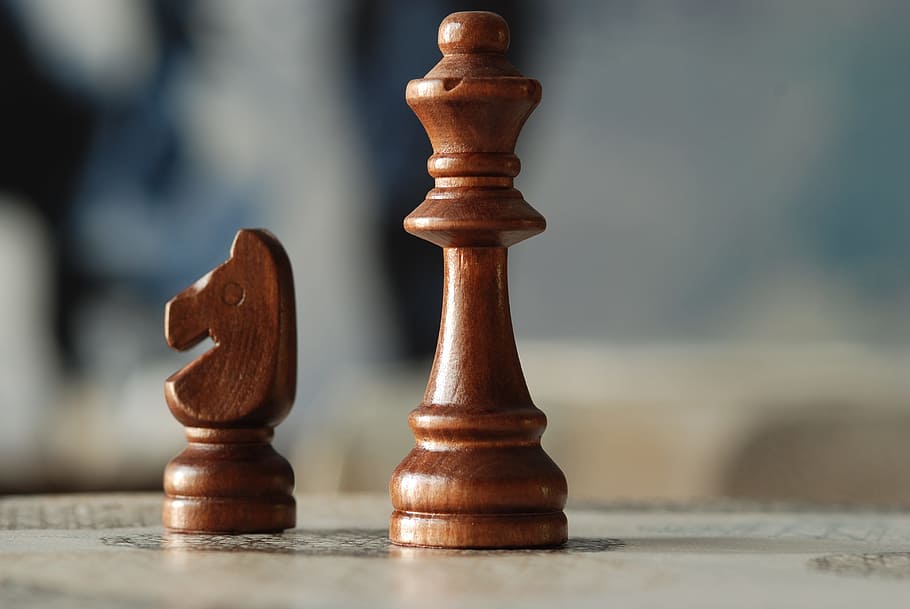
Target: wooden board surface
{"points": [[110, 551]]}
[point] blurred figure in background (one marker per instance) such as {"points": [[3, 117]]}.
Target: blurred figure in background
{"points": [[39, 110]]}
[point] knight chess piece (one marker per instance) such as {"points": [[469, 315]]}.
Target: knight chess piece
{"points": [[478, 476], [229, 479]]}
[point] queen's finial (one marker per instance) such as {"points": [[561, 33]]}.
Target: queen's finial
{"points": [[473, 32]]}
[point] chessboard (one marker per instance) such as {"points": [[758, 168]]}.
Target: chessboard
{"points": [[108, 550]]}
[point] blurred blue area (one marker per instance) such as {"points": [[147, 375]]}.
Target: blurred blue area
{"points": [[856, 215]]}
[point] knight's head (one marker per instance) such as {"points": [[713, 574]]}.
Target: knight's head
{"points": [[246, 305], [220, 301]]}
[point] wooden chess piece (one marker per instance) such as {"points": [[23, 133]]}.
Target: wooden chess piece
{"points": [[230, 479], [477, 477]]}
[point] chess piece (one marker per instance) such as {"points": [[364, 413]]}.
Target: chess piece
{"points": [[230, 479], [477, 476]]}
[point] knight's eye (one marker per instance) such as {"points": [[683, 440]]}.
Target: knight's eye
{"points": [[232, 294]]}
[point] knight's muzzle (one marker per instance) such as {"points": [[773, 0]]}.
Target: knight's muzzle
{"points": [[184, 327]]}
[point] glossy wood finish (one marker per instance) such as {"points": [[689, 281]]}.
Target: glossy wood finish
{"points": [[477, 476], [230, 479]]}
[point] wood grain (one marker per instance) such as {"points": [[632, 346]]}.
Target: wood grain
{"points": [[477, 477], [229, 478]]}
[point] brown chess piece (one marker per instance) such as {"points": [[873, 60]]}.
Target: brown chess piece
{"points": [[477, 477], [230, 479]]}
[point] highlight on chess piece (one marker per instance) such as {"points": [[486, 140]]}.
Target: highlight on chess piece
{"points": [[230, 479], [478, 476]]}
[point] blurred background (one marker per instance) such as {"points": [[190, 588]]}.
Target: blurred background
{"points": [[720, 306]]}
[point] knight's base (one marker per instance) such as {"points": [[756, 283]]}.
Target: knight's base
{"points": [[229, 514], [478, 530], [228, 481]]}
